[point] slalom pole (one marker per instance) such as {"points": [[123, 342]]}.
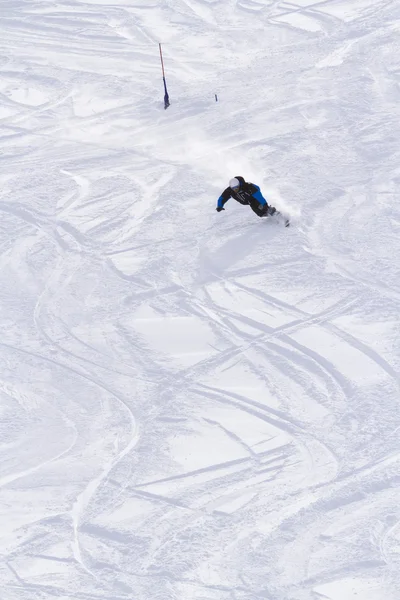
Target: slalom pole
{"points": [[166, 97]]}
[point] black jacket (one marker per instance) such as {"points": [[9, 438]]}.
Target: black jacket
{"points": [[247, 193]]}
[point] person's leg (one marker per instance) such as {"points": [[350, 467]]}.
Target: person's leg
{"points": [[261, 210]]}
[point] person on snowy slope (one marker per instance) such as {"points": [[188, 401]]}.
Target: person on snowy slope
{"points": [[245, 193]]}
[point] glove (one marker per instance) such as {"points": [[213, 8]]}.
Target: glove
{"points": [[219, 208]]}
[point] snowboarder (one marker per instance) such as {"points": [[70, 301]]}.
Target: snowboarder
{"points": [[246, 193]]}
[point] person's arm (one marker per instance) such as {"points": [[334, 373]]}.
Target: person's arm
{"points": [[223, 199], [258, 195]]}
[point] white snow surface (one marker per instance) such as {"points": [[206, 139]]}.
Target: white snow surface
{"points": [[199, 405]]}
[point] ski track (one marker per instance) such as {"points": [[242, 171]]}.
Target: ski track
{"points": [[199, 406]]}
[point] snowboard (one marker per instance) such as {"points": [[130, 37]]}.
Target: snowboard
{"points": [[278, 216]]}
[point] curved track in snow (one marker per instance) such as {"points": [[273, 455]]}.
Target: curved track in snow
{"points": [[198, 405]]}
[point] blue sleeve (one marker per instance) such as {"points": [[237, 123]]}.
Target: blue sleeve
{"points": [[224, 197], [258, 196], [220, 202]]}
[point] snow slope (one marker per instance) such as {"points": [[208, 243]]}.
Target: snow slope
{"points": [[199, 405]]}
